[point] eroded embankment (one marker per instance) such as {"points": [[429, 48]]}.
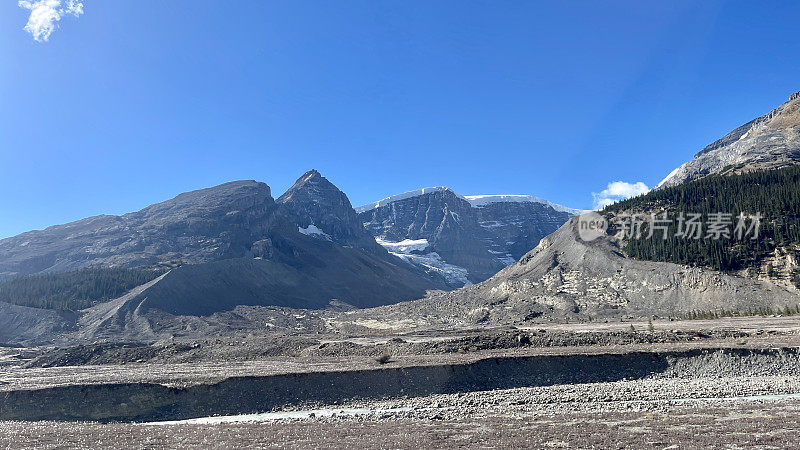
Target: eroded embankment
{"points": [[242, 395]]}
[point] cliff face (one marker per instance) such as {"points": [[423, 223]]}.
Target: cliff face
{"points": [[320, 208], [516, 227], [768, 142], [468, 239]]}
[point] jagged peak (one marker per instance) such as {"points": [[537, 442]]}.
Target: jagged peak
{"points": [[311, 181], [406, 195], [310, 175], [320, 209]]}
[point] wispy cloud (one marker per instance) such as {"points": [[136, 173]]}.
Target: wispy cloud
{"points": [[45, 15], [616, 191]]}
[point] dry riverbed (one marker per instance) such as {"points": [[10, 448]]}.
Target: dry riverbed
{"points": [[729, 383], [723, 413]]}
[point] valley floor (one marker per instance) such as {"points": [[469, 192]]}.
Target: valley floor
{"points": [[624, 416], [726, 383]]}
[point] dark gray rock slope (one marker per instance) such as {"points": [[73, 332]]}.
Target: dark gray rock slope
{"points": [[231, 245], [195, 227]]}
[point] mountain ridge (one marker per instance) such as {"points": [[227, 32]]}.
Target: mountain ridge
{"points": [[766, 142], [236, 234], [474, 200], [468, 238]]}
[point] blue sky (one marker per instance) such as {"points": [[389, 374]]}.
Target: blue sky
{"points": [[134, 102]]}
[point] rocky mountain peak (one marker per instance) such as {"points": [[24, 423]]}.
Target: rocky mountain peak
{"points": [[320, 209], [313, 187], [310, 176], [467, 238], [767, 142]]}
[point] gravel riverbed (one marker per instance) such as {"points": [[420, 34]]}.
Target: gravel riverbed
{"points": [[753, 412]]}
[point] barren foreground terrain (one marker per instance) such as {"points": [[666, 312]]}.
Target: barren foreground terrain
{"points": [[726, 383], [510, 420]]}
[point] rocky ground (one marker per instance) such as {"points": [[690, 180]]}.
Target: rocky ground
{"points": [[725, 383], [615, 415], [312, 342]]}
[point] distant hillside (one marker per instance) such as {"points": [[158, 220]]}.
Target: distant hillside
{"points": [[73, 291], [774, 193]]}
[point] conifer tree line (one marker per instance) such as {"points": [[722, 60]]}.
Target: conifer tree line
{"points": [[775, 194], [73, 291]]}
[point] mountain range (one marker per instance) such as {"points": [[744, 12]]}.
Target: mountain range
{"points": [[221, 258], [231, 245], [213, 250], [753, 168]]}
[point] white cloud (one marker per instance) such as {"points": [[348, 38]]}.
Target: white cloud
{"points": [[46, 13], [616, 191]]}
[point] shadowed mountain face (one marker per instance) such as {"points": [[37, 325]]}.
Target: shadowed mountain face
{"points": [[315, 204], [768, 142], [311, 275], [515, 227], [468, 239], [446, 222], [232, 245]]}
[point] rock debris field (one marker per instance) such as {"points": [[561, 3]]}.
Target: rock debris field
{"points": [[733, 383]]}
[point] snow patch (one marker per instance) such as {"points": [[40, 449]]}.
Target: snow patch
{"points": [[474, 200], [508, 259], [280, 415], [411, 251], [671, 174], [404, 246], [433, 263], [312, 230], [491, 224]]}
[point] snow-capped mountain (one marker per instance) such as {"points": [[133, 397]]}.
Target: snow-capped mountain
{"points": [[768, 142], [466, 239], [483, 200]]}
